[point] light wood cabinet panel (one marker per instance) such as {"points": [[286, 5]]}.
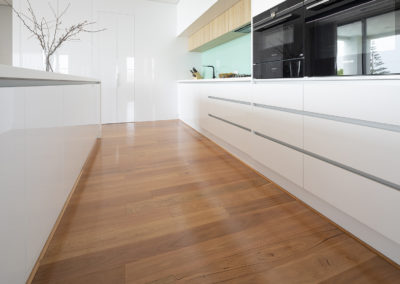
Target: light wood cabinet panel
{"points": [[239, 14], [222, 28]]}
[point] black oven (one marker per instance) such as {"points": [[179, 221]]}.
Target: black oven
{"points": [[352, 37], [278, 41]]}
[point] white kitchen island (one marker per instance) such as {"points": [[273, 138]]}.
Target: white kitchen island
{"points": [[332, 142], [49, 123]]}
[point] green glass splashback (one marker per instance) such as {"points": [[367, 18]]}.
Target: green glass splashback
{"points": [[233, 56]]}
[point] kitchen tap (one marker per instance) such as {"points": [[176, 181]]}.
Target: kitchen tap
{"points": [[210, 66]]}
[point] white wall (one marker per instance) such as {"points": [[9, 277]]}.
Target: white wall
{"points": [[5, 34], [189, 11], [160, 57]]}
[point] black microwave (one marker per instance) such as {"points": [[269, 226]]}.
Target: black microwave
{"points": [[278, 41], [352, 37]]}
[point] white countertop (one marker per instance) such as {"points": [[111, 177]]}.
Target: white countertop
{"points": [[334, 78], [308, 79], [241, 79], [11, 76]]}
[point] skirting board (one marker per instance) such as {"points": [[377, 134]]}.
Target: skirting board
{"points": [[385, 247]]}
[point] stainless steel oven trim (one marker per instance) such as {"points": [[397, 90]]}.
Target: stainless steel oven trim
{"points": [[317, 4], [280, 13], [338, 12], [277, 21]]}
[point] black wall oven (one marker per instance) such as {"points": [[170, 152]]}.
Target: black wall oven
{"points": [[352, 37], [278, 42]]}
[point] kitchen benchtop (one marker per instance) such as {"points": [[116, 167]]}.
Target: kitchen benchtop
{"points": [[240, 79], [11, 76], [304, 79]]}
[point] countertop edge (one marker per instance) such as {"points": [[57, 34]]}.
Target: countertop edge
{"points": [[304, 79], [227, 80], [11, 73]]}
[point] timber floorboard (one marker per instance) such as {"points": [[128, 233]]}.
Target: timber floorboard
{"points": [[160, 203]]}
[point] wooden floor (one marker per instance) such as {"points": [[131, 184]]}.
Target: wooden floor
{"points": [[160, 203]]}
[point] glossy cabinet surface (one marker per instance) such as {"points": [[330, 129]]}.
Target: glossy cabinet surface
{"points": [[376, 100], [283, 126], [45, 138], [230, 102], [279, 94], [337, 140], [370, 203], [285, 161], [373, 151]]}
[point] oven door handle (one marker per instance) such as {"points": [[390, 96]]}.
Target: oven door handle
{"points": [[273, 23], [317, 4], [338, 12]]}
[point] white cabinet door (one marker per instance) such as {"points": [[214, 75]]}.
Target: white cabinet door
{"points": [[229, 109], [279, 94], [192, 105], [370, 150], [280, 125], [281, 159], [259, 6], [232, 134], [271, 117], [376, 100], [229, 101], [114, 65], [371, 203], [187, 104]]}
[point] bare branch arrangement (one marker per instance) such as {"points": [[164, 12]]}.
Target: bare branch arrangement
{"points": [[48, 33]]}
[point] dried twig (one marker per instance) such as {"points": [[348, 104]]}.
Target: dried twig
{"points": [[47, 32]]}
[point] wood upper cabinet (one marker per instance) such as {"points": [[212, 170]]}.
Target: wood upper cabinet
{"points": [[222, 28]]}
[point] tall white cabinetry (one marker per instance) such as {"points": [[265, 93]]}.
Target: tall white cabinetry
{"points": [[114, 66]]}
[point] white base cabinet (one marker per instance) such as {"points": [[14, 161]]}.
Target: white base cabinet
{"points": [[335, 141], [45, 139], [283, 160], [373, 204]]}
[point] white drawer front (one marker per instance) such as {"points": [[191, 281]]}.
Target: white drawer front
{"points": [[231, 134], [370, 150], [279, 94], [373, 204], [283, 160], [283, 126], [232, 111], [365, 100], [232, 91]]}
